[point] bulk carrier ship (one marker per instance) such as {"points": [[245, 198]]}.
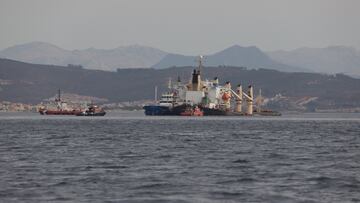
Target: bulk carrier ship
{"points": [[209, 96]]}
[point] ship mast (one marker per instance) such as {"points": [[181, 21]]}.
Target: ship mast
{"points": [[196, 77], [170, 83], [59, 96], [200, 59], [156, 90], [259, 101], [58, 100]]}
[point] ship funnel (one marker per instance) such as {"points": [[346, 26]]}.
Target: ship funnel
{"points": [[216, 81], [228, 85], [196, 81]]}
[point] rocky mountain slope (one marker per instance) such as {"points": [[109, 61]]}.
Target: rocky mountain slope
{"points": [[122, 57], [333, 59]]}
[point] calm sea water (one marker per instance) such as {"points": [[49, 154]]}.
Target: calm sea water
{"points": [[127, 157]]}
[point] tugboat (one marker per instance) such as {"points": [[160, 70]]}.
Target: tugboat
{"points": [[61, 108], [93, 110], [192, 112]]}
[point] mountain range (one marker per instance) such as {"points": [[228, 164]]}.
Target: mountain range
{"points": [[330, 60], [122, 57], [139, 57], [250, 57]]}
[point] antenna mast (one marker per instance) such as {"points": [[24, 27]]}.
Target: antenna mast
{"points": [[170, 83], [156, 89], [200, 63], [59, 95]]}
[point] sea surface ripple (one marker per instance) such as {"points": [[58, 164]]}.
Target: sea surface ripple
{"points": [[127, 157]]}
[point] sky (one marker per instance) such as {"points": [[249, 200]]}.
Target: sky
{"points": [[189, 27]]}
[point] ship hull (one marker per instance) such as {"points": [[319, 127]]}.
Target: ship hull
{"points": [[56, 112], [214, 112], [219, 112], [267, 113], [156, 110], [91, 114]]}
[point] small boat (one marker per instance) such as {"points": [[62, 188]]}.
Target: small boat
{"points": [[192, 112], [93, 110]]}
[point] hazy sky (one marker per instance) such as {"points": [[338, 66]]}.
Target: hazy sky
{"points": [[181, 26]]}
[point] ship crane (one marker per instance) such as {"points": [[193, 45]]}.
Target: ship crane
{"points": [[239, 98]]}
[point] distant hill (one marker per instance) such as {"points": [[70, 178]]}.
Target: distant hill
{"points": [[31, 83], [38, 53], [250, 57], [122, 57], [333, 59], [330, 60]]}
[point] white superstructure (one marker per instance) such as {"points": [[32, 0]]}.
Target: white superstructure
{"points": [[208, 94]]}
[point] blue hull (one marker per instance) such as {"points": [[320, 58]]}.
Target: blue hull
{"points": [[155, 110]]}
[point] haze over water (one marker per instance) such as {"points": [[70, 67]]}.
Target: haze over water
{"points": [[127, 157]]}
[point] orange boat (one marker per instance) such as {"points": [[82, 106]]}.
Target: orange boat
{"points": [[192, 112]]}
